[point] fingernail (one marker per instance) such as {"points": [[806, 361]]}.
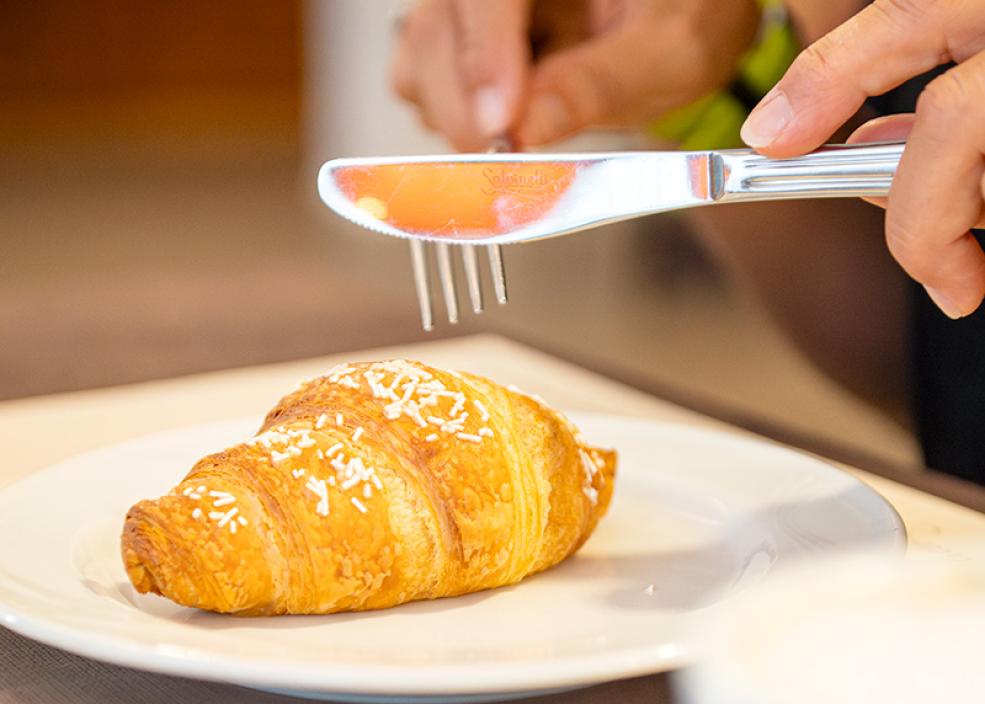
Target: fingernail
{"points": [[491, 116], [547, 119], [767, 120], [945, 303]]}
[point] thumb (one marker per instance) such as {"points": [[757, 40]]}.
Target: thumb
{"points": [[877, 49], [494, 56], [890, 128]]}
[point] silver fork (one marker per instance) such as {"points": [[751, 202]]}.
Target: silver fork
{"points": [[419, 260], [446, 273], [534, 196]]}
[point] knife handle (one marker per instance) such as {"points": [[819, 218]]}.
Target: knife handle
{"points": [[835, 171]]}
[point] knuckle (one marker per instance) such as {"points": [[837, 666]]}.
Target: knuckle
{"points": [[592, 90], [401, 82], [918, 18], [402, 89], [830, 63], [907, 247], [944, 98], [816, 68], [903, 11], [817, 58]]}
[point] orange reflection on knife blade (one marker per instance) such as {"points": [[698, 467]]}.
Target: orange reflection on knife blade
{"points": [[457, 199]]}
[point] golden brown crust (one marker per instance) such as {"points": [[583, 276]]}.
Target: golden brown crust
{"points": [[377, 484]]}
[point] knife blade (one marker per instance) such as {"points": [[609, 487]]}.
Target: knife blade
{"points": [[504, 198]]}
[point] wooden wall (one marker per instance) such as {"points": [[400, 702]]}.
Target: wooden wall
{"points": [[119, 45], [115, 52]]}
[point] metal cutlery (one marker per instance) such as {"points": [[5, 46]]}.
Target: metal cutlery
{"points": [[506, 198], [422, 284], [446, 273]]}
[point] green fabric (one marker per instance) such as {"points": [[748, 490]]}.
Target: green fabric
{"points": [[714, 121], [765, 63], [718, 125]]}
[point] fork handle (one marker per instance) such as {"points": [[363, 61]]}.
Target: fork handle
{"points": [[835, 171]]}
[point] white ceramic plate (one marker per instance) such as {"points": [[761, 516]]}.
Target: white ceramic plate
{"points": [[697, 516]]}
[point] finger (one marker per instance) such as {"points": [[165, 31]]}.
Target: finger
{"points": [[889, 128], [876, 50], [440, 94], [494, 56], [402, 76], [605, 80], [936, 196]]}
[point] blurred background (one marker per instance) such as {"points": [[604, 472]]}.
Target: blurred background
{"points": [[158, 217]]}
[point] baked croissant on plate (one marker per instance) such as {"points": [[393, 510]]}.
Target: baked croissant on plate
{"points": [[377, 484]]}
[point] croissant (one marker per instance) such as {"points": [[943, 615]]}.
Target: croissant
{"points": [[374, 485]]}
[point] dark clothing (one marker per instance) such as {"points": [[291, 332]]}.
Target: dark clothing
{"points": [[947, 358], [949, 388]]}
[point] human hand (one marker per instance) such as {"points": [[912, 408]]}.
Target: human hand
{"points": [[468, 65], [937, 194]]}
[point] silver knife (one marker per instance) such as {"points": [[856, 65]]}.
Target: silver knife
{"points": [[500, 198]]}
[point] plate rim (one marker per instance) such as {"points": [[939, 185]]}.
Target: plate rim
{"points": [[407, 680]]}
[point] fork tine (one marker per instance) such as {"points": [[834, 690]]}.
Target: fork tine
{"points": [[420, 265], [447, 281], [498, 272], [472, 276], [502, 143]]}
